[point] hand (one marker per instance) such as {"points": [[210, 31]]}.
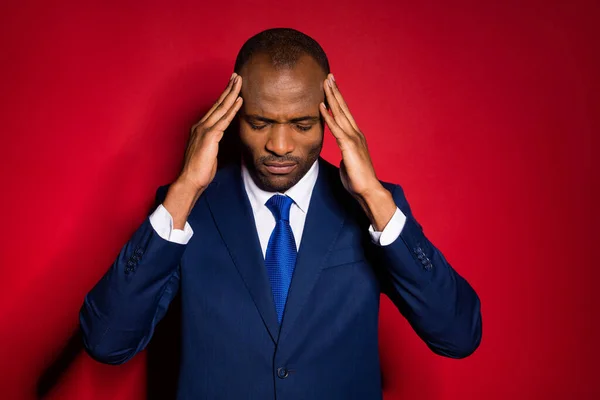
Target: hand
{"points": [[356, 169], [200, 163]]}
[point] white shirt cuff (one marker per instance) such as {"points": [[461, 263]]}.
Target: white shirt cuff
{"points": [[162, 222], [391, 231]]}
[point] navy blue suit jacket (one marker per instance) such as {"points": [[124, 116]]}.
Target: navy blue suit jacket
{"points": [[232, 345]]}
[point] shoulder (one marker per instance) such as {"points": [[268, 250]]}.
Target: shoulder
{"points": [[398, 195], [332, 174], [224, 175]]}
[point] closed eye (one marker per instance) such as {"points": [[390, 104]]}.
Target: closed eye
{"points": [[257, 127], [304, 128]]}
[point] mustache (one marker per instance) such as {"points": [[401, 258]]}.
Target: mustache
{"points": [[281, 159]]}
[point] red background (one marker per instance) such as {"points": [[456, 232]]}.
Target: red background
{"points": [[486, 113]]}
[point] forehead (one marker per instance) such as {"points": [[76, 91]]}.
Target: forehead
{"points": [[282, 93]]}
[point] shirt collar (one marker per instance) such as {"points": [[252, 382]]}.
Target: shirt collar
{"points": [[300, 192]]}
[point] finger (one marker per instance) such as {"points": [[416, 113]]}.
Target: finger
{"points": [[221, 98], [227, 102], [335, 129], [226, 119], [342, 102], [336, 109]]}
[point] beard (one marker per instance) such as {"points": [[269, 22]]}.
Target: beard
{"points": [[278, 183]]}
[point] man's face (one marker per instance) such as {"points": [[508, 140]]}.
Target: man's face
{"points": [[280, 125]]}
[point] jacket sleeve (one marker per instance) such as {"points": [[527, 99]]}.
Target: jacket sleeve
{"points": [[119, 314], [439, 304]]}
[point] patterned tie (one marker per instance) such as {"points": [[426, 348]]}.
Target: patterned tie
{"points": [[281, 251]]}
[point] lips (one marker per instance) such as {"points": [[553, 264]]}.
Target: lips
{"points": [[280, 168]]}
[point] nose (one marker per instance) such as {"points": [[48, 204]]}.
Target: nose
{"points": [[280, 140]]}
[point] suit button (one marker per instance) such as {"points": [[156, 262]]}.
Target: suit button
{"points": [[282, 372]]}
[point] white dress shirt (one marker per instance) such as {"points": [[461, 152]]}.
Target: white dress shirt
{"points": [[300, 193]]}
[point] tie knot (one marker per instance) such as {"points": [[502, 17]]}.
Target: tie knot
{"points": [[280, 207]]}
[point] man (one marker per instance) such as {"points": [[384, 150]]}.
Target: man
{"points": [[281, 260]]}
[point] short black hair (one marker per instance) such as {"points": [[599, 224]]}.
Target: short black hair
{"points": [[284, 46]]}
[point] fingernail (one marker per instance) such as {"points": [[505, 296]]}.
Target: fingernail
{"points": [[329, 82], [237, 78], [232, 75], [332, 78]]}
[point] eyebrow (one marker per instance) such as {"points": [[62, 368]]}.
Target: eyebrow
{"points": [[306, 118]]}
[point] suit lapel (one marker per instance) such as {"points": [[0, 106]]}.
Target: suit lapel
{"points": [[323, 223], [231, 210], [233, 216]]}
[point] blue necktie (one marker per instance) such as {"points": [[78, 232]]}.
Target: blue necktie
{"points": [[280, 259]]}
